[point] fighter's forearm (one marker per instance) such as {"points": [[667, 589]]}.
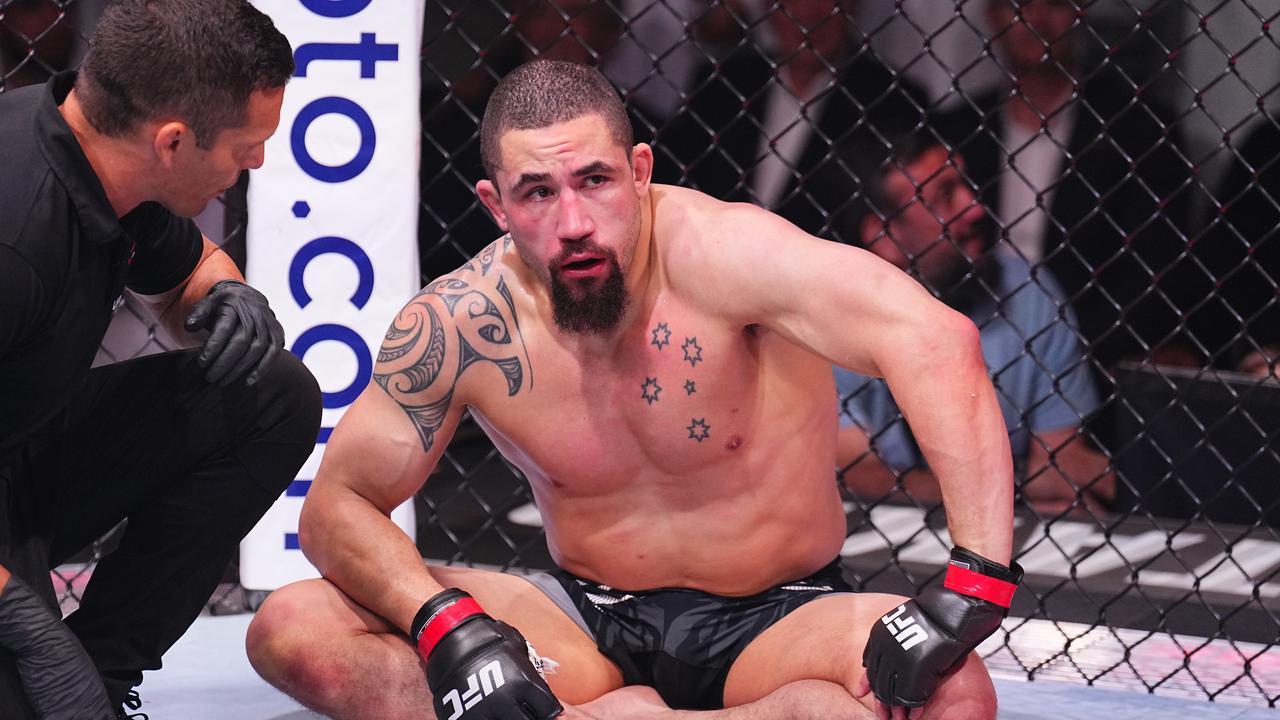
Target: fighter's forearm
{"points": [[946, 395], [360, 550]]}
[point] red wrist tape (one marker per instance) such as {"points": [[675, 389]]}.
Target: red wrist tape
{"points": [[975, 584], [444, 621]]}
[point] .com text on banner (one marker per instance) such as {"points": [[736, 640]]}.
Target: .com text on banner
{"points": [[332, 233]]}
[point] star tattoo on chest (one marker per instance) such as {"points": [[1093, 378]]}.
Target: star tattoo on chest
{"points": [[661, 336], [692, 351], [699, 429], [689, 387], [649, 390]]}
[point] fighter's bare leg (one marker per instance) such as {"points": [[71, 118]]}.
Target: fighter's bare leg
{"points": [[320, 647], [823, 640], [801, 700]]}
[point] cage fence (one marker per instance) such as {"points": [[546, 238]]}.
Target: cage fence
{"points": [[1093, 183]]}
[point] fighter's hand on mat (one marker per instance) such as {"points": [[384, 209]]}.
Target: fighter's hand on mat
{"points": [[478, 668], [244, 335], [910, 648]]}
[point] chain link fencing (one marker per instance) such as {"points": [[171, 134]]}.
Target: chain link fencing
{"points": [[1093, 183]]}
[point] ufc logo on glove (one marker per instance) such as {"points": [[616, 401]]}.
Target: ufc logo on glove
{"points": [[457, 639], [479, 686], [946, 623], [907, 631]]}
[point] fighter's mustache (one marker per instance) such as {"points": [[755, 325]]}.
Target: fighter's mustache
{"points": [[581, 256]]}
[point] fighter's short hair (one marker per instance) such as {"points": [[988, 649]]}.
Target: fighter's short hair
{"points": [[544, 92]]}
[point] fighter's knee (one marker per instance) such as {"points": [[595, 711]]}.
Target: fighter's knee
{"points": [[966, 694], [267, 642], [281, 648]]}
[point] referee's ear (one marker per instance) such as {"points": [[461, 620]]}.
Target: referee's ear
{"points": [[168, 139]]}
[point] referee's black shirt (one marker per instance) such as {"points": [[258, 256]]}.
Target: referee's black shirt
{"points": [[64, 259]]}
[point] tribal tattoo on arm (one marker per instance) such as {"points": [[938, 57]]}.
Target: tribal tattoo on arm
{"points": [[454, 323]]}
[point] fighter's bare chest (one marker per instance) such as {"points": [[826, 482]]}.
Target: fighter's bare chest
{"points": [[677, 396]]}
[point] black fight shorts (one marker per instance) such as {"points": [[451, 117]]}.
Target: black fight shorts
{"points": [[678, 641]]}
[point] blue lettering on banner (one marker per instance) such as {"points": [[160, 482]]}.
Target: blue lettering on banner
{"points": [[367, 52], [335, 8], [350, 338], [331, 245], [333, 106]]}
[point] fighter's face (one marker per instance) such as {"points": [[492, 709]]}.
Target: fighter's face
{"points": [[937, 231], [571, 199], [198, 175]]}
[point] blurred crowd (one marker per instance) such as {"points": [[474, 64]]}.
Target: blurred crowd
{"points": [[1025, 160]]}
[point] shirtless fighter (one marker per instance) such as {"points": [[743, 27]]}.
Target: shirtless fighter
{"points": [[657, 363]]}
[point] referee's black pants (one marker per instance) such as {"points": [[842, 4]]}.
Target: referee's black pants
{"points": [[191, 465]]}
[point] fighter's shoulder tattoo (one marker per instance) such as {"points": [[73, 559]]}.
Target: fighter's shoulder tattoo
{"points": [[461, 319]]}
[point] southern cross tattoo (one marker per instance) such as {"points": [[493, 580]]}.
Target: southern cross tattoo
{"points": [[699, 429], [661, 336], [649, 390], [692, 351], [689, 387]]}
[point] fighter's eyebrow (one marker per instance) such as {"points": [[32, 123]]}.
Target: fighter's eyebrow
{"points": [[599, 167], [529, 178]]}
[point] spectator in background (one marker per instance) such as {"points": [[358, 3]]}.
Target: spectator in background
{"points": [[37, 39], [31, 40], [656, 60], [1084, 180], [925, 219], [775, 128], [1239, 325]]}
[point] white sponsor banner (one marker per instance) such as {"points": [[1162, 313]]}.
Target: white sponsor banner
{"points": [[332, 235]]}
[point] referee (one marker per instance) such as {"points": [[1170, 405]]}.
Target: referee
{"points": [[103, 170]]}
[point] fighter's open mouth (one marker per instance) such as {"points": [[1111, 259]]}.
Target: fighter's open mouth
{"points": [[582, 264]]}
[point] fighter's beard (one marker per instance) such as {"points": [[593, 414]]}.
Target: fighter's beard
{"points": [[598, 311]]}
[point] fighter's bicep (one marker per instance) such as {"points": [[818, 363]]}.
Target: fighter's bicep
{"points": [[417, 367], [376, 451]]}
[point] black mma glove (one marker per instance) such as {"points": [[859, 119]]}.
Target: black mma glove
{"points": [[912, 647], [57, 675], [478, 668], [243, 332]]}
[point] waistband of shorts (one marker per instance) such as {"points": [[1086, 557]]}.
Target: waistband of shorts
{"points": [[829, 576]]}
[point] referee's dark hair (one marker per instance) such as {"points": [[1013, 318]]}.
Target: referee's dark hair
{"points": [[197, 61]]}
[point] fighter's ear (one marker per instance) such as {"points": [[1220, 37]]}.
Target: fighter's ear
{"points": [[642, 167], [488, 194]]}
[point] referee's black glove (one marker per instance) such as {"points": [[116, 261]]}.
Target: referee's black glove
{"points": [[244, 335], [57, 676]]}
